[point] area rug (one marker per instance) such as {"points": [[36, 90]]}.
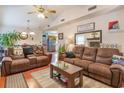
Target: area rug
{"points": [[43, 78], [16, 81]]}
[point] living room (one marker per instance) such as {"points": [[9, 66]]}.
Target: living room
{"points": [[61, 46]]}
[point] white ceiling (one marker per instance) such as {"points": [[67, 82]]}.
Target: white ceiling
{"points": [[16, 15]]}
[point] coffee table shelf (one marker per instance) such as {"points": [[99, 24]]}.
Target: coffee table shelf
{"points": [[69, 71]]}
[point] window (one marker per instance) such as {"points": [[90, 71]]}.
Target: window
{"points": [[80, 39]]}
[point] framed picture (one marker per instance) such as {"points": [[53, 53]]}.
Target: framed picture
{"points": [[86, 27], [113, 26], [60, 36]]}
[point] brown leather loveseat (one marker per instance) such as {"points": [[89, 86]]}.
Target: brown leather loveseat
{"points": [[97, 63], [13, 64]]}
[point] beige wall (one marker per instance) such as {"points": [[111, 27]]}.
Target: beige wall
{"points": [[80, 12], [101, 23]]}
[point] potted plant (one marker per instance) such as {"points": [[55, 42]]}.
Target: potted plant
{"points": [[62, 49], [9, 39]]}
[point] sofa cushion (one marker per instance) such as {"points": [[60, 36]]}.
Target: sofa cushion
{"points": [[100, 69], [83, 63], [89, 54], [32, 59], [41, 59], [20, 61], [14, 57], [71, 60], [19, 65], [78, 51], [104, 55]]}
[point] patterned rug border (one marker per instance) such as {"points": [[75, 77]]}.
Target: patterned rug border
{"points": [[25, 80], [16, 74]]}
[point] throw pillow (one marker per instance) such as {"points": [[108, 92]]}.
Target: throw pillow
{"points": [[70, 55], [118, 60], [18, 51], [27, 51], [38, 51]]}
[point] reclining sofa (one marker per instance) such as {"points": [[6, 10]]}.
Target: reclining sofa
{"points": [[13, 64], [97, 64]]}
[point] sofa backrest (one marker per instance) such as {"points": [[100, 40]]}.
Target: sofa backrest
{"points": [[104, 55], [78, 51], [89, 53], [37, 50]]}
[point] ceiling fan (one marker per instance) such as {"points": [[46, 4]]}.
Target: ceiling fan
{"points": [[41, 11]]}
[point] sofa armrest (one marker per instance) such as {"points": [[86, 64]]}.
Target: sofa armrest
{"points": [[7, 59], [49, 56], [6, 64], [117, 74], [117, 66]]}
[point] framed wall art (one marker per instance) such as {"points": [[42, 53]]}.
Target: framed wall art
{"points": [[86, 27], [60, 36], [113, 26]]}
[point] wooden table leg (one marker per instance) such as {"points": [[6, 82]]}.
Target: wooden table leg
{"points": [[51, 71], [70, 83], [81, 79]]}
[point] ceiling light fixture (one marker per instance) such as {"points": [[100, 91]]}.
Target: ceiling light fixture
{"points": [[24, 33], [41, 15], [32, 33]]}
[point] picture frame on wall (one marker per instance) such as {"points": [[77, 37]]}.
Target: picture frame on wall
{"points": [[86, 27], [60, 36], [113, 26]]}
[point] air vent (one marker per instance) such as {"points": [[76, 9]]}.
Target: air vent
{"points": [[92, 8], [62, 20]]}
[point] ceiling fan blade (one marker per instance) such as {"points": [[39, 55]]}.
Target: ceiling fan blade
{"points": [[51, 11], [39, 8]]}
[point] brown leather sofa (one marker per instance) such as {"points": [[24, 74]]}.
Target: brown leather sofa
{"points": [[13, 64], [97, 64]]}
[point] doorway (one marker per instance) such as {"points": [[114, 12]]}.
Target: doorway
{"points": [[50, 41]]}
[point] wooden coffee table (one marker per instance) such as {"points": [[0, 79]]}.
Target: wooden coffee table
{"points": [[69, 71]]}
